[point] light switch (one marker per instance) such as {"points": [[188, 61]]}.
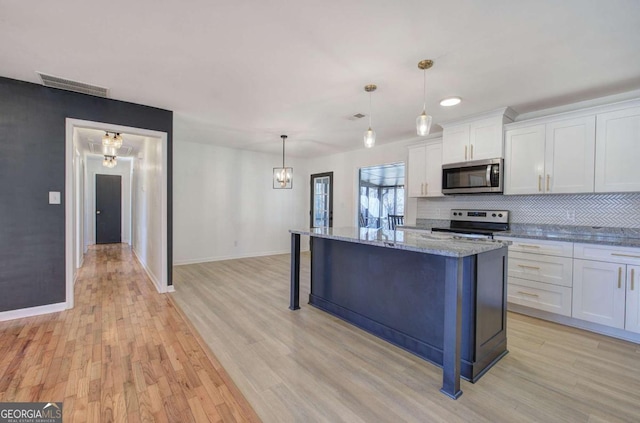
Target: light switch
{"points": [[54, 197]]}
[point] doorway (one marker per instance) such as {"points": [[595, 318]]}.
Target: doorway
{"points": [[381, 195], [108, 209], [321, 214]]}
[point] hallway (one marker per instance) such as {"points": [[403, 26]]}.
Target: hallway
{"points": [[123, 354]]}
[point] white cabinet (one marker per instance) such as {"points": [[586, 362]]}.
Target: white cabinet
{"points": [[618, 151], [540, 274], [599, 292], [477, 138], [569, 155], [524, 160], [632, 319], [605, 286], [556, 157], [425, 170]]}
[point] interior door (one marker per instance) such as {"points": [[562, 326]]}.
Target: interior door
{"points": [[108, 209], [322, 200]]}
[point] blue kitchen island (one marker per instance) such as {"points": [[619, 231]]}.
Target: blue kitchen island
{"points": [[441, 298]]}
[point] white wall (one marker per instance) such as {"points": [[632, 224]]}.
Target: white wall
{"points": [[345, 167], [224, 205], [94, 167], [147, 205]]}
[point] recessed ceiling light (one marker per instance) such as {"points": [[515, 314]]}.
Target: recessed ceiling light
{"points": [[450, 101]]}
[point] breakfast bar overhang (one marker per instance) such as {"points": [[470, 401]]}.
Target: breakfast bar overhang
{"points": [[443, 299]]}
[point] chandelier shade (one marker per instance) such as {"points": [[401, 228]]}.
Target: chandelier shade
{"points": [[283, 176]]}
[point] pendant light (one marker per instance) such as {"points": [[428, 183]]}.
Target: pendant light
{"points": [[109, 161], [369, 134], [114, 140], [423, 122], [282, 176]]}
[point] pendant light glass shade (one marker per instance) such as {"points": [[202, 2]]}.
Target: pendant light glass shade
{"points": [[423, 122], [369, 138], [370, 134]]}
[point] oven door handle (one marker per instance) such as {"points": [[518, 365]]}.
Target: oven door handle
{"points": [[488, 175]]}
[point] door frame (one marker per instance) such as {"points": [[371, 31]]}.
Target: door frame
{"points": [[71, 220], [311, 194]]}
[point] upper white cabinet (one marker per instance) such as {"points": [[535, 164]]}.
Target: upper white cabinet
{"points": [[476, 138], [524, 160], [618, 151], [552, 158], [425, 170]]}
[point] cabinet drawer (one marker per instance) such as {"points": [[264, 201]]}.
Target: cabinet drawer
{"points": [[543, 296], [608, 253], [541, 268], [537, 246]]}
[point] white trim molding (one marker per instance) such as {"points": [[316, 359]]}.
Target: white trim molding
{"points": [[32, 311], [161, 288]]}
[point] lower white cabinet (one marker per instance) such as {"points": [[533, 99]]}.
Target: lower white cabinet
{"points": [[599, 292], [543, 296], [540, 274], [605, 285], [591, 282], [632, 320]]}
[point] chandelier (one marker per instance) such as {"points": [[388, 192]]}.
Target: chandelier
{"points": [[283, 176], [112, 139], [110, 161]]}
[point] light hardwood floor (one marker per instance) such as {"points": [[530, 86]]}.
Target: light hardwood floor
{"points": [[123, 354], [307, 366]]}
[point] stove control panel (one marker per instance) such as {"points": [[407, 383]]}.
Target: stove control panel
{"points": [[488, 216]]}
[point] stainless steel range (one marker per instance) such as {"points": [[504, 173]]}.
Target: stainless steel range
{"points": [[476, 223]]}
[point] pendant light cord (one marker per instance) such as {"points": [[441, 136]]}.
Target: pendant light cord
{"points": [[424, 94], [370, 112]]}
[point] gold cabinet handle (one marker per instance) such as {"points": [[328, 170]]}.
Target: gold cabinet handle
{"points": [[540, 183], [528, 293], [619, 277], [471, 151], [465, 152], [529, 246], [632, 278], [624, 255], [529, 267], [548, 180]]}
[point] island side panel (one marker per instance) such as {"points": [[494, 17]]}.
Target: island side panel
{"points": [[491, 304], [395, 294], [294, 299]]}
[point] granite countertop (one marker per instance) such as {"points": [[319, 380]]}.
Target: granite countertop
{"points": [[442, 245], [623, 237]]}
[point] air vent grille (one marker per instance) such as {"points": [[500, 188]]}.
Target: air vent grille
{"points": [[123, 151], [69, 85]]}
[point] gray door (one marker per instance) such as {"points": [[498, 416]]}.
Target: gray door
{"points": [[108, 209], [322, 200]]}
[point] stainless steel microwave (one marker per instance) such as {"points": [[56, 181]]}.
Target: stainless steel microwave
{"points": [[474, 177]]}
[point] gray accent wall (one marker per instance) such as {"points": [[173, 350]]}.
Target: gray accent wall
{"points": [[32, 163], [620, 210]]}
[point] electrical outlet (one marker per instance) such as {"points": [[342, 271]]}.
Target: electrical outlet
{"points": [[571, 215]]}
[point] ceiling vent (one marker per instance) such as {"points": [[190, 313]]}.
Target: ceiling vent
{"points": [[356, 116], [69, 85]]}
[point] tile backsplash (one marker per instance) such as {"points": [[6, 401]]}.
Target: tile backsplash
{"points": [[611, 210]]}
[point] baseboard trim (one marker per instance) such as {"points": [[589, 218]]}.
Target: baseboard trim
{"points": [[171, 288], [575, 323], [148, 272], [32, 311], [230, 257]]}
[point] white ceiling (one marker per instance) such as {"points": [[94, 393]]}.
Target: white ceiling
{"points": [[240, 73]]}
